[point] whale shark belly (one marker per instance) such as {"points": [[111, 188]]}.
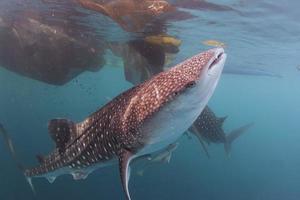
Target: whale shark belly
{"points": [[169, 124]]}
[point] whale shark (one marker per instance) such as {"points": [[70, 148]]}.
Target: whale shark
{"points": [[144, 119], [163, 156], [209, 128]]}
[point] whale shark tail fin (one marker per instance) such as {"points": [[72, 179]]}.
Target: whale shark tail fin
{"points": [[14, 155], [233, 135]]}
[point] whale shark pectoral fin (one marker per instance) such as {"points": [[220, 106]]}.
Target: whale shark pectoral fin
{"points": [[125, 157], [29, 181], [62, 131], [195, 131], [203, 146]]}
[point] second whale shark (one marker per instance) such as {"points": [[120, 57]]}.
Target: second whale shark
{"points": [[209, 128]]}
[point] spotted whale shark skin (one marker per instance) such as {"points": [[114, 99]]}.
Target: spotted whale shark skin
{"points": [[142, 120]]}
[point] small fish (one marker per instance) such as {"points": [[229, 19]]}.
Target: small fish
{"points": [[163, 156], [214, 43], [163, 40], [209, 128], [298, 67], [140, 121]]}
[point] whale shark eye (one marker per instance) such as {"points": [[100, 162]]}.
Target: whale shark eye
{"points": [[191, 84]]}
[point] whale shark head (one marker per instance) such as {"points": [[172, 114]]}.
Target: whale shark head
{"points": [[178, 96], [200, 75]]}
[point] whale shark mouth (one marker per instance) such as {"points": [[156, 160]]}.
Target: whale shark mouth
{"points": [[217, 64], [217, 60]]}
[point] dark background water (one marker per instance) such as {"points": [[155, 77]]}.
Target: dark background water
{"points": [[264, 163]]}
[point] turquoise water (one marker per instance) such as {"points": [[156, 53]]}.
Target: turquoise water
{"points": [[264, 163]]}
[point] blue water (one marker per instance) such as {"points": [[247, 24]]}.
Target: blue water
{"points": [[265, 162]]}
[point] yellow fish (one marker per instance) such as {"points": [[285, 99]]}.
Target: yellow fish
{"points": [[214, 43], [162, 40]]}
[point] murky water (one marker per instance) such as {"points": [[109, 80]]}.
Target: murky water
{"points": [[64, 59]]}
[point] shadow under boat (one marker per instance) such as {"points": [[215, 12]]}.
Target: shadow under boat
{"points": [[34, 45], [53, 45]]}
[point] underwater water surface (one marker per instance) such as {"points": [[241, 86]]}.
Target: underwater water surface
{"points": [[264, 163]]}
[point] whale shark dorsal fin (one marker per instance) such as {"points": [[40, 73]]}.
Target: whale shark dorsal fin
{"points": [[221, 120], [62, 131], [125, 157]]}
